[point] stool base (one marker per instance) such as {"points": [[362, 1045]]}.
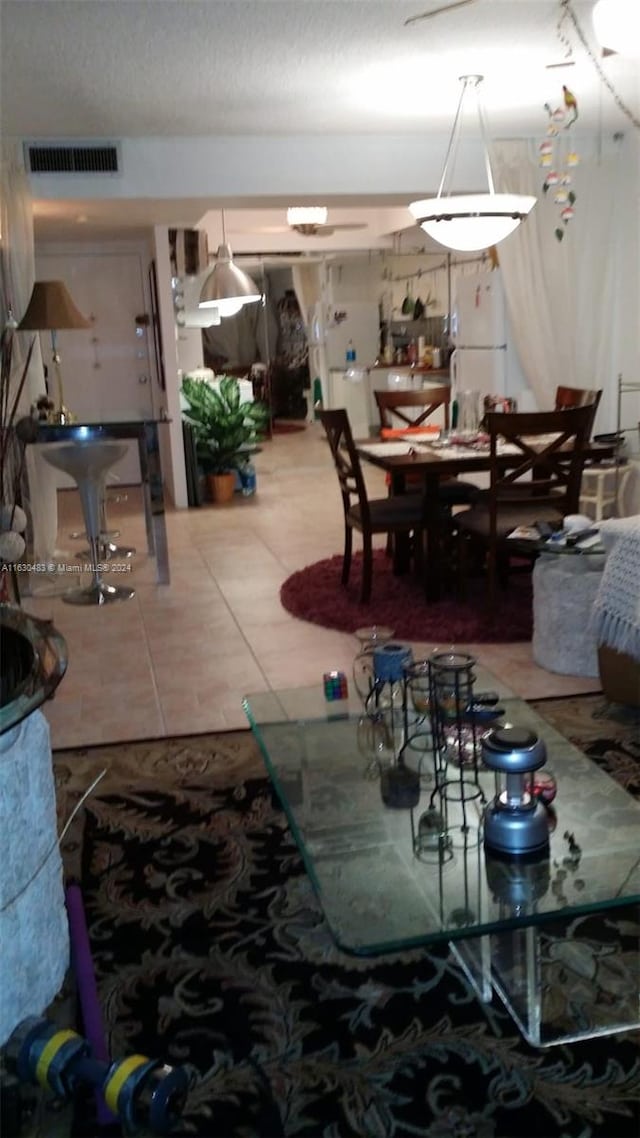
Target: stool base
{"points": [[98, 594]]}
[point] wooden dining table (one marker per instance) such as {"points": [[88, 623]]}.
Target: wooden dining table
{"points": [[405, 458]]}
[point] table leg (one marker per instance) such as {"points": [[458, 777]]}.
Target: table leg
{"points": [[153, 497], [534, 980]]}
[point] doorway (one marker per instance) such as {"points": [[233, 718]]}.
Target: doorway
{"points": [[107, 371]]}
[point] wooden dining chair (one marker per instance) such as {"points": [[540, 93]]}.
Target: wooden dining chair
{"points": [[567, 397], [541, 482], [424, 403], [414, 408], [399, 514]]}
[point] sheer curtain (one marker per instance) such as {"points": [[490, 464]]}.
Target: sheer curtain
{"points": [[560, 294], [307, 287], [17, 267]]}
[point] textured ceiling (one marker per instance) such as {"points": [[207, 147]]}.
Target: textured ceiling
{"points": [[133, 69], [159, 67]]}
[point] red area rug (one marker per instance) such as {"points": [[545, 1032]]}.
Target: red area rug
{"points": [[316, 594]]}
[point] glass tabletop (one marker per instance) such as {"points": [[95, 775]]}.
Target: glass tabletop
{"points": [[377, 892]]}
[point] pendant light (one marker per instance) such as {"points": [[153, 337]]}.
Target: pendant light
{"points": [[227, 288], [470, 222]]}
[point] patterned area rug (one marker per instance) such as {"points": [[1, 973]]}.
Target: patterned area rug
{"points": [[211, 951], [316, 594]]}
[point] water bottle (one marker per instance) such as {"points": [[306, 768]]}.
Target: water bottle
{"points": [[248, 478]]}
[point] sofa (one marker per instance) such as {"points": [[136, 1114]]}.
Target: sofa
{"points": [[615, 615]]}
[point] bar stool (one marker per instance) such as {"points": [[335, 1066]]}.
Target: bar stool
{"points": [[87, 463]]}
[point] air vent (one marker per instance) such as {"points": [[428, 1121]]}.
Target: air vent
{"points": [[59, 158]]}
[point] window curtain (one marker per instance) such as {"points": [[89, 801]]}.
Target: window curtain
{"points": [[560, 294], [17, 270], [307, 287]]}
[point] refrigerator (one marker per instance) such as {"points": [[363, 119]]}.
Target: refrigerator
{"points": [[332, 328], [484, 357]]}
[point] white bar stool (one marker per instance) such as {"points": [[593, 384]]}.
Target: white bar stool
{"points": [[87, 463]]}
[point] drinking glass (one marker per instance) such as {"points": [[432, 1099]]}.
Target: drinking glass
{"points": [[369, 638]]}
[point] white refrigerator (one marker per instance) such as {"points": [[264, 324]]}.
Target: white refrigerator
{"points": [[332, 329], [484, 357]]}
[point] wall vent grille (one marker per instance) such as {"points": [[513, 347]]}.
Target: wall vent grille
{"points": [[64, 158]]}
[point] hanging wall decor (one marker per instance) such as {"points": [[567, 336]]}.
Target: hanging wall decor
{"points": [[558, 158]]}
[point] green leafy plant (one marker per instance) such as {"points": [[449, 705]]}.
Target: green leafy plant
{"points": [[224, 425]]}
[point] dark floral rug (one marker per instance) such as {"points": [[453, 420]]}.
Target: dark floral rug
{"points": [[317, 595], [211, 951]]}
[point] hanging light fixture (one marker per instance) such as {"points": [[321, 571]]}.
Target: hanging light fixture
{"points": [[227, 288], [307, 219], [617, 25], [469, 222]]}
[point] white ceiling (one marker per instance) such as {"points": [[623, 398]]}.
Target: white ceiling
{"points": [[134, 69]]}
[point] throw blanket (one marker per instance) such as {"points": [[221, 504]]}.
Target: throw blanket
{"points": [[616, 611]]}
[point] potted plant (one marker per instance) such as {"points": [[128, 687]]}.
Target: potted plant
{"points": [[225, 427]]}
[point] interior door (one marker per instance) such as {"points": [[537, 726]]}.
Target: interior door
{"points": [[106, 370]]}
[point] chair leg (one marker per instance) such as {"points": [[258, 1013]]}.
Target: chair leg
{"points": [[348, 549], [367, 567]]}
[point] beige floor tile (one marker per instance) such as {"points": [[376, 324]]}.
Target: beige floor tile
{"points": [[177, 659]]}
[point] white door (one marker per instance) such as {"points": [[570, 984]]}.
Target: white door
{"points": [[106, 370]]}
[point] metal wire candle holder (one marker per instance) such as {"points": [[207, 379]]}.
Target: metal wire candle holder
{"points": [[455, 754]]}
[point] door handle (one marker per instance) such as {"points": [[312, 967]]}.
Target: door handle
{"points": [[143, 379]]}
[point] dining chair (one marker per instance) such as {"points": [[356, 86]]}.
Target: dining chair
{"points": [[399, 514], [567, 397], [536, 461], [414, 408]]}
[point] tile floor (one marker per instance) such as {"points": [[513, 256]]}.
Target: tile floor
{"points": [[177, 659]]}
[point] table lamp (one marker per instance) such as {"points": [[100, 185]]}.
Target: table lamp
{"points": [[51, 309]]}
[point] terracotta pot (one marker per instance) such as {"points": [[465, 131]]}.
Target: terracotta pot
{"points": [[222, 486]]}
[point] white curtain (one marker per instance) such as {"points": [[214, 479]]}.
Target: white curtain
{"points": [[306, 285], [560, 294], [17, 267]]}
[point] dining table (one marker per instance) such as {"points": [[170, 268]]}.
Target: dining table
{"points": [[429, 456]]}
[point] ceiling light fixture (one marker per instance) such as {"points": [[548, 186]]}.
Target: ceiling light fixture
{"points": [[306, 219], [617, 25], [470, 222], [227, 288]]}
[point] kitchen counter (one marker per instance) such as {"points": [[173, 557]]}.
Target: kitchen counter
{"points": [[413, 369]]}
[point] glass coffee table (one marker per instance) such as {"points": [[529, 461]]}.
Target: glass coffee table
{"points": [[528, 929]]}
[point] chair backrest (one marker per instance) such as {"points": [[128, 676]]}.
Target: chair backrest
{"points": [[346, 461], [427, 400], [567, 397], [551, 447]]}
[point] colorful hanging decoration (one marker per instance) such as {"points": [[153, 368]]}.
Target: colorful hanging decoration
{"points": [[558, 159]]}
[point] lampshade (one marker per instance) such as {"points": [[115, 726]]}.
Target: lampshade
{"points": [[51, 308], [617, 25], [227, 287], [307, 215], [470, 222]]}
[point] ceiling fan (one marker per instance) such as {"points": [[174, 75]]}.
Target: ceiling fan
{"points": [[311, 221]]}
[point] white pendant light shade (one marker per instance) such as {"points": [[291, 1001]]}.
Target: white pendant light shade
{"points": [[227, 287], [617, 26], [470, 222]]}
